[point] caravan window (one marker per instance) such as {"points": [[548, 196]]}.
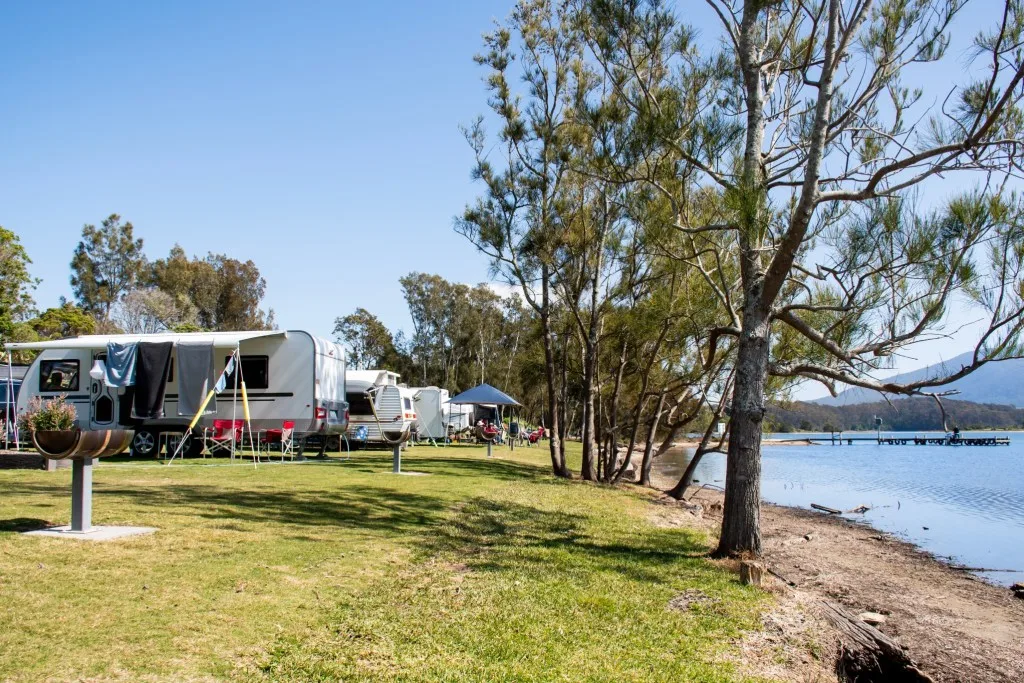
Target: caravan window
{"points": [[359, 404], [58, 375], [255, 372], [408, 404]]}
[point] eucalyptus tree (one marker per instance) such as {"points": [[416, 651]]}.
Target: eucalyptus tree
{"points": [[811, 123], [369, 341], [517, 222], [16, 284]]}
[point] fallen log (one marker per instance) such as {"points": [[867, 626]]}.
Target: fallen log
{"points": [[823, 508], [867, 654]]}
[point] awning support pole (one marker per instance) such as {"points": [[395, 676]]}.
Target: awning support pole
{"points": [[8, 402], [234, 399]]}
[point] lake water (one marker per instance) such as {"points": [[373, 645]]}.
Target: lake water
{"points": [[963, 502]]}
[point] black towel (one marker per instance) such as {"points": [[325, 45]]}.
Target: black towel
{"points": [[152, 365]]}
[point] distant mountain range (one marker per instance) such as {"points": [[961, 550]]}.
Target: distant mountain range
{"points": [[1000, 382], [911, 414]]}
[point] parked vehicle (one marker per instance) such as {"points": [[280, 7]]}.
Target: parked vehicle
{"points": [[10, 385], [289, 376], [380, 411]]}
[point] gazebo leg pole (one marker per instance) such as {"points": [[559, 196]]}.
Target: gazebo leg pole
{"points": [[81, 494], [396, 459]]}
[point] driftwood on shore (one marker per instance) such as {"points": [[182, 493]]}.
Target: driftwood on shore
{"points": [[867, 654], [823, 508]]}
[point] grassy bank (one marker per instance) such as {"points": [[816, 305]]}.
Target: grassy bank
{"points": [[482, 570]]}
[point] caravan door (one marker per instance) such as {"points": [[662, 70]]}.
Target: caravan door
{"points": [[103, 398]]}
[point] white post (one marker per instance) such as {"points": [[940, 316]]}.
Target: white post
{"points": [[396, 459], [234, 399], [8, 413]]}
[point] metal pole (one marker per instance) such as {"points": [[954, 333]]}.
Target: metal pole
{"points": [[489, 449], [234, 400], [396, 459], [81, 494], [9, 414]]}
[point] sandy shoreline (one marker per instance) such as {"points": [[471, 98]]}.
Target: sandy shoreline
{"points": [[956, 626]]}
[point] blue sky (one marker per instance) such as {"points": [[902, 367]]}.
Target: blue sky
{"points": [[320, 139]]}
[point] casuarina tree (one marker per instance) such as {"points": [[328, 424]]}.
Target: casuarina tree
{"points": [[862, 175], [107, 264]]}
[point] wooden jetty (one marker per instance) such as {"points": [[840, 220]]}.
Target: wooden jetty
{"points": [[946, 440]]}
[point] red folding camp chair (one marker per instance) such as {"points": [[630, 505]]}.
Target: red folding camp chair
{"points": [[223, 435], [282, 437]]}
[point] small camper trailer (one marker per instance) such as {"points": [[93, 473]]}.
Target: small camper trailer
{"points": [[289, 376], [380, 411], [430, 403]]}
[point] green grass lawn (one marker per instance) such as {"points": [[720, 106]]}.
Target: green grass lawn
{"points": [[482, 570]]}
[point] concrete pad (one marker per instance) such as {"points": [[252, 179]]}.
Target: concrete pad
{"points": [[97, 533]]}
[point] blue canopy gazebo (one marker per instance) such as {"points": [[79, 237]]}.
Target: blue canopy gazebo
{"points": [[485, 394]]}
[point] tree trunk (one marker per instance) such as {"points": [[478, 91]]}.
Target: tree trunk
{"points": [[554, 442], [648, 461], [588, 471], [741, 529]]}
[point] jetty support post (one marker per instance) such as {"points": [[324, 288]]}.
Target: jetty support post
{"points": [[396, 459], [81, 495]]}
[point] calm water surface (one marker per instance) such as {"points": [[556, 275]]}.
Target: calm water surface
{"points": [[964, 502]]}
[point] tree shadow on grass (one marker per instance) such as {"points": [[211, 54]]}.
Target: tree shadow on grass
{"points": [[20, 525], [363, 507], [497, 536]]}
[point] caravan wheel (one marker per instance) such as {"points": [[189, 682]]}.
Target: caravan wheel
{"points": [[144, 443], [193, 446]]}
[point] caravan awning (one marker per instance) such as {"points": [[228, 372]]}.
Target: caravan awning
{"points": [[100, 341], [484, 394]]}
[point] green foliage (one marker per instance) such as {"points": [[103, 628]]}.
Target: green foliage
{"points": [[224, 293], [66, 320], [107, 263], [369, 342], [16, 284]]}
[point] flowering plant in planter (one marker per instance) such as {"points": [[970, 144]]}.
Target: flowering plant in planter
{"points": [[55, 415]]}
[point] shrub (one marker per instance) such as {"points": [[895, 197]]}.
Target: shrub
{"points": [[53, 415]]}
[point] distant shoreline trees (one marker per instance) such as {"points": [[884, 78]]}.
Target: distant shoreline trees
{"points": [[117, 289]]}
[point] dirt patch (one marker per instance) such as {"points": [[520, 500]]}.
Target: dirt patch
{"points": [[955, 626], [688, 599]]}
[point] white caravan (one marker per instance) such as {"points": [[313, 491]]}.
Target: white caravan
{"points": [[289, 376], [380, 411]]}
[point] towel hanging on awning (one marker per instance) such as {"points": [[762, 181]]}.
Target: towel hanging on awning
{"points": [[152, 365], [120, 364], [222, 383], [196, 375]]}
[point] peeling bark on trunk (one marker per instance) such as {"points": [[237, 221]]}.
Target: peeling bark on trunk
{"points": [[741, 529]]}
